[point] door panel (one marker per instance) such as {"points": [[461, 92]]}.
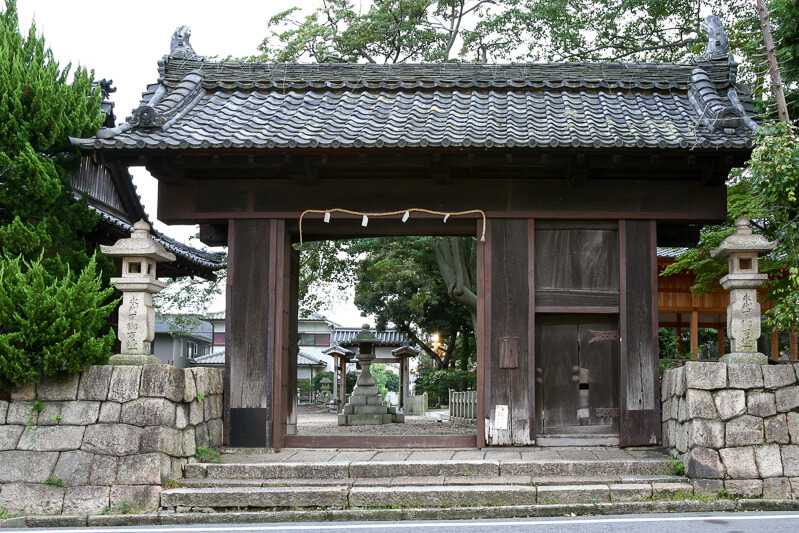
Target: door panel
{"points": [[579, 374]]}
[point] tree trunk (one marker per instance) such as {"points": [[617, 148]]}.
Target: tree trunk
{"points": [[773, 65], [456, 258]]}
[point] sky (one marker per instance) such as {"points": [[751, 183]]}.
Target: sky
{"points": [[122, 40]]}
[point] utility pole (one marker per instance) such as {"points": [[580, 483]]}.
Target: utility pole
{"points": [[771, 57]]}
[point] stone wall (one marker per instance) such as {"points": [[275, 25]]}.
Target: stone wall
{"points": [[109, 434], [735, 426]]}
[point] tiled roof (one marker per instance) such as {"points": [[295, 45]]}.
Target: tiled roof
{"points": [[309, 360], [670, 253], [202, 329], [200, 105], [390, 337], [216, 358]]}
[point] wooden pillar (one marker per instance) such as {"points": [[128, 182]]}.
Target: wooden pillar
{"points": [[510, 413], [794, 345], [694, 334], [343, 391], [403, 381], [335, 376], [253, 322], [638, 328], [775, 345]]}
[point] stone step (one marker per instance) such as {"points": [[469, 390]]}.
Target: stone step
{"points": [[430, 481], [413, 496], [392, 469]]}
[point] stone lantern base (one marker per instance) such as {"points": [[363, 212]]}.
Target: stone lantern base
{"points": [[368, 411], [134, 360], [752, 358]]}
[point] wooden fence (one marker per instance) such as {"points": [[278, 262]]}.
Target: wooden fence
{"points": [[463, 406]]}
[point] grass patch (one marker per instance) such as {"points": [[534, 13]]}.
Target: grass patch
{"points": [[676, 468], [205, 454], [121, 507], [54, 482]]}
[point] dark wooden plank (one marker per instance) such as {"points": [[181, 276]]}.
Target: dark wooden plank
{"points": [[481, 336], [560, 309], [509, 323], [411, 441], [600, 355], [557, 353], [228, 305], [531, 337], [640, 337], [576, 259], [576, 298]]}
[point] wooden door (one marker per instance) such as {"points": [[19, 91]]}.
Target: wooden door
{"points": [[577, 370]]}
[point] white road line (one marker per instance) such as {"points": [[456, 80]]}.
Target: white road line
{"points": [[429, 525]]}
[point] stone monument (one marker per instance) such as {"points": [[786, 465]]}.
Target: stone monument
{"points": [[742, 249], [366, 404], [138, 283]]}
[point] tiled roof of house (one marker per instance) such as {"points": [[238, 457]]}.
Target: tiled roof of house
{"points": [[198, 104], [670, 253], [184, 326], [305, 359], [216, 358], [390, 337]]}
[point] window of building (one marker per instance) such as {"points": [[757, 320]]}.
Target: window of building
{"points": [[191, 349], [314, 339]]}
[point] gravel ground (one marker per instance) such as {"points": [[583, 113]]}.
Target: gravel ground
{"points": [[312, 420]]}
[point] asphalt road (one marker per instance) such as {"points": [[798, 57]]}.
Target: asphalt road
{"points": [[775, 522]]}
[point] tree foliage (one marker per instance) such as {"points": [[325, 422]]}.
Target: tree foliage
{"points": [[39, 109], [51, 326]]}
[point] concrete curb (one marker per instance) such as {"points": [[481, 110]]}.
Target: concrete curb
{"points": [[358, 515]]}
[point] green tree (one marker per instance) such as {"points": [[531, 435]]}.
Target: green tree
{"points": [[39, 110], [50, 327]]}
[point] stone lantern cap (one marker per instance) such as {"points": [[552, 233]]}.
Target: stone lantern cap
{"points": [[139, 244], [365, 336], [743, 241]]}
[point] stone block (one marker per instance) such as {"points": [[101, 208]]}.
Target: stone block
{"points": [[745, 376], [20, 413], [50, 415], [189, 386], [769, 461], [217, 380], [148, 412], [792, 419], [86, 501], [124, 385], [26, 393], [196, 413], [204, 381], [103, 470], [112, 439], [679, 381], [55, 390], [776, 429], [666, 386], [32, 499], [668, 490], [189, 442], [79, 413], [553, 494], [51, 438], [777, 488], [790, 460], [213, 407], [109, 413], [707, 487], [215, 432], [703, 463], [3, 411], [682, 438], [669, 433], [730, 403], [95, 382], [31, 467], [181, 415], [162, 439], [778, 376], [744, 431], [787, 399], [142, 497], [705, 376], [202, 438], [744, 488], [705, 433], [760, 403], [740, 462], [9, 436], [795, 486], [143, 469], [699, 404], [73, 468], [163, 381]]}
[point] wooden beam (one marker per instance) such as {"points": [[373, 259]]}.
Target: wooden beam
{"points": [[775, 344], [721, 342], [794, 345], [694, 334]]}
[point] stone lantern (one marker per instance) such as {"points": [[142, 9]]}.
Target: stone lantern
{"points": [[742, 249], [366, 404], [140, 254]]}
